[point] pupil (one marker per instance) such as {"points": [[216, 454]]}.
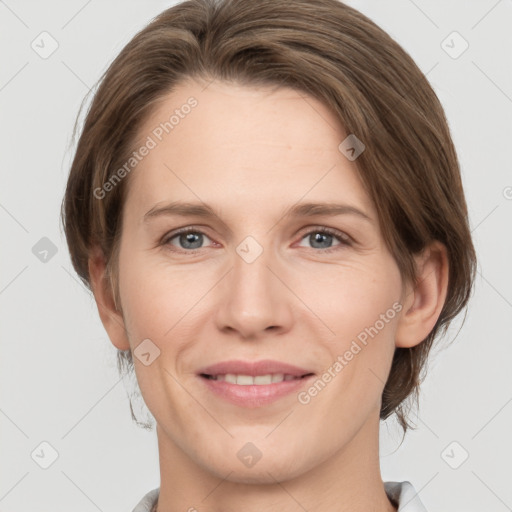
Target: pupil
{"points": [[317, 237]]}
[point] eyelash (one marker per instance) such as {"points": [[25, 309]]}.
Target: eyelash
{"points": [[344, 239]]}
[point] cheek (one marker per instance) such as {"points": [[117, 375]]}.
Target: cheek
{"points": [[355, 299], [363, 313], [152, 299], [155, 305]]}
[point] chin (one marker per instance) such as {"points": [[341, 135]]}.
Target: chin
{"points": [[266, 470]]}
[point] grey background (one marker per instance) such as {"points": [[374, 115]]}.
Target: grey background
{"points": [[59, 381]]}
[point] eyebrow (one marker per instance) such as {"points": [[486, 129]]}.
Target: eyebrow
{"points": [[297, 210]]}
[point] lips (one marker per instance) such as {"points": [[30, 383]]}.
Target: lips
{"points": [[253, 384], [249, 380], [253, 369]]}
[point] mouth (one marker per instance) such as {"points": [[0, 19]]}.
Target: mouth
{"points": [[253, 384], [254, 380]]}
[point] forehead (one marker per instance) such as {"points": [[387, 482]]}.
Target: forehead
{"points": [[247, 146]]}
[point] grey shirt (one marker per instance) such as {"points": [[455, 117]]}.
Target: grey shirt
{"points": [[401, 493]]}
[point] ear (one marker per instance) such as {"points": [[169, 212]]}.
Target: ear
{"points": [[424, 300], [111, 317]]}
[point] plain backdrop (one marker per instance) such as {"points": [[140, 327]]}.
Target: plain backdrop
{"points": [[59, 382]]}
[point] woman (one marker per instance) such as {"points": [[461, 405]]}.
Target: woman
{"points": [[266, 203]]}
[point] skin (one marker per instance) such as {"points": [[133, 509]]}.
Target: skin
{"points": [[251, 153]]}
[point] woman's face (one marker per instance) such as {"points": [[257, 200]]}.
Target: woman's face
{"points": [[256, 279]]}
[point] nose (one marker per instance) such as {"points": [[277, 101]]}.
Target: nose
{"points": [[253, 299]]}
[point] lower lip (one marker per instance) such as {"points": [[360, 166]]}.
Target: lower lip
{"points": [[254, 395]]}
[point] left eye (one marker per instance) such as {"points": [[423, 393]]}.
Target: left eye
{"points": [[322, 236]]}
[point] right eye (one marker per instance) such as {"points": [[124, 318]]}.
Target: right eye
{"points": [[188, 239]]}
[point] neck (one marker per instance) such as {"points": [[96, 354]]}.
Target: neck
{"points": [[348, 480]]}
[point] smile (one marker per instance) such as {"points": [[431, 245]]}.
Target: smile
{"points": [[250, 380], [252, 384]]}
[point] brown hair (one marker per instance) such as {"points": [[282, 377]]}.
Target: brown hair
{"points": [[323, 48]]}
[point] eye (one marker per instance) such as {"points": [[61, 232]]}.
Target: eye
{"points": [[190, 239], [187, 239], [322, 238]]}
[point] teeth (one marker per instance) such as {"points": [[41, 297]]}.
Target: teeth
{"points": [[229, 377], [244, 380], [249, 380]]}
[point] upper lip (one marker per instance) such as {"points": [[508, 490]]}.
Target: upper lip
{"points": [[253, 368]]}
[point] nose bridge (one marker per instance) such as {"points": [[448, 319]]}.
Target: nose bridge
{"points": [[251, 267], [253, 298]]}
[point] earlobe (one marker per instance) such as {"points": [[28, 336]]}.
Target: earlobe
{"points": [[111, 318], [424, 301]]}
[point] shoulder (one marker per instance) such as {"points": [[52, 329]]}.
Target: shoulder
{"points": [[147, 502], [404, 495]]}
